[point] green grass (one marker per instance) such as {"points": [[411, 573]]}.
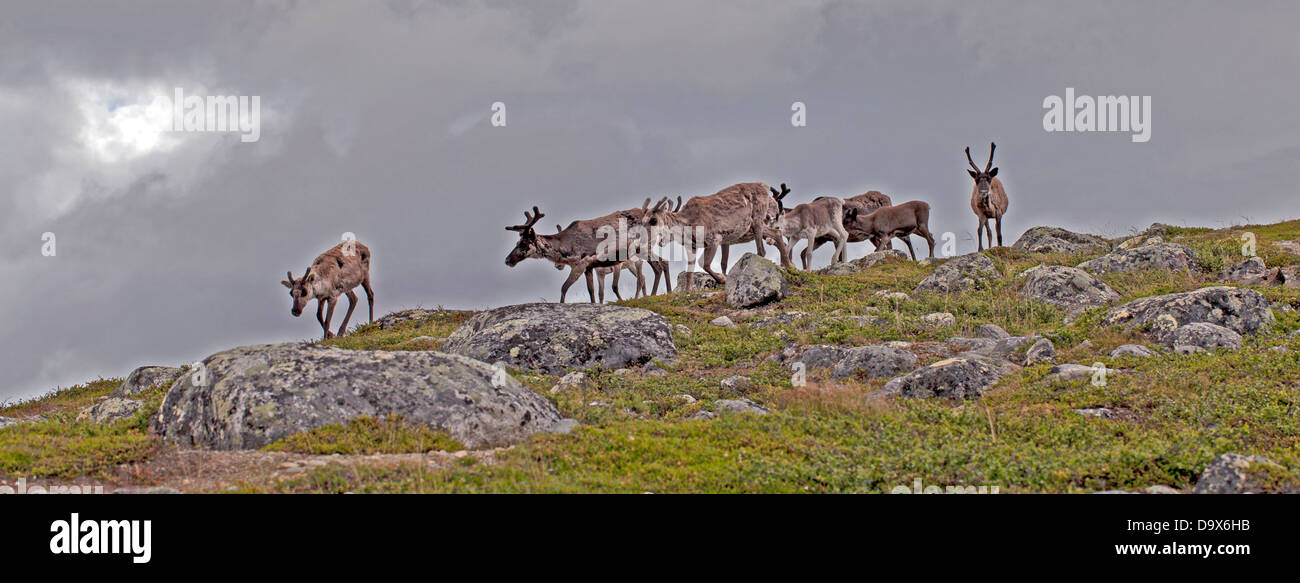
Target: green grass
{"points": [[368, 435]]}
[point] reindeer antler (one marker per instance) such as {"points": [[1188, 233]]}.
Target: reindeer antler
{"points": [[970, 161], [290, 274], [660, 205], [679, 203], [529, 221], [992, 147]]}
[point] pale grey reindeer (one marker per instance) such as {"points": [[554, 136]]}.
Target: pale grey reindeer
{"points": [[334, 272], [860, 205], [823, 217], [988, 200], [736, 214], [632, 265], [901, 220]]}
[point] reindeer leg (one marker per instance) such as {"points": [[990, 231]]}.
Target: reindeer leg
{"points": [[806, 255], [706, 261], [574, 273], [725, 250], [370, 296], [591, 289], [908, 239], [640, 280], [979, 233], [668, 278], [329, 315], [925, 232], [615, 288], [999, 220], [320, 315], [352, 304], [600, 279], [841, 246]]}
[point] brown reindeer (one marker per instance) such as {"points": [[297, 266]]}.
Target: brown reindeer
{"points": [[862, 205], [823, 217], [988, 199], [334, 272], [903, 220], [736, 214]]}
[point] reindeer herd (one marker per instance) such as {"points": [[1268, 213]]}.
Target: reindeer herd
{"points": [[703, 226]]}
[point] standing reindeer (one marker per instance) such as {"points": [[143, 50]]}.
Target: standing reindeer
{"points": [[736, 214], [988, 199], [823, 217], [883, 224], [860, 205], [336, 271]]}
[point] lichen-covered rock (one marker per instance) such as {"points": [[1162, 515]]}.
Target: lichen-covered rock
{"points": [[874, 362], [1040, 351], [109, 410], [1069, 287], [754, 281], [1057, 240], [862, 263], [1204, 336], [938, 320], [821, 356], [1252, 271], [964, 272], [1230, 473], [145, 378], [1245, 311], [556, 337], [736, 384], [251, 396], [778, 319], [1152, 253], [954, 378], [402, 316], [739, 406], [1131, 350], [723, 321], [699, 280], [991, 331], [1069, 372]]}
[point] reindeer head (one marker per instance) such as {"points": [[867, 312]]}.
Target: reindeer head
{"points": [[527, 245], [655, 216], [300, 290], [982, 177]]}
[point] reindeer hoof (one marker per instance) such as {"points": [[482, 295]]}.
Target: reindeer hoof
{"points": [[329, 335]]}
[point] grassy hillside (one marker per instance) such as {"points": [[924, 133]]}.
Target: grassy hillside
{"points": [[1174, 414]]}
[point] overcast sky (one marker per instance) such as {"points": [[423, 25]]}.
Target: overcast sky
{"points": [[375, 120]]}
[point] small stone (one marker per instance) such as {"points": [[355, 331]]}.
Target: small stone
{"points": [[939, 320], [1131, 350], [723, 321], [740, 406], [736, 384]]}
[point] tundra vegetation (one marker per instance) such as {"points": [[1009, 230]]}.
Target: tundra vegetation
{"points": [[645, 430]]}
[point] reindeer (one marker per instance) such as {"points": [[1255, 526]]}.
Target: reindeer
{"points": [[863, 204], [988, 199], [336, 271], [883, 224], [823, 217], [633, 265], [736, 214], [582, 248]]}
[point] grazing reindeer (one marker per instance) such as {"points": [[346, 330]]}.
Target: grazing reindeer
{"points": [[633, 265], [579, 246], [988, 199], [823, 217], [334, 272], [863, 205], [902, 221], [736, 214]]}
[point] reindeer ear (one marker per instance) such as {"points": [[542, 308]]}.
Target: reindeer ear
{"points": [[993, 172], [973, 174]]}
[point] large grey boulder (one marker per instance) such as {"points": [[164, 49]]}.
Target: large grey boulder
{"points": [[1152, 253], [954, 378], [147, 377], [1230, 474], [1252, 271], [821, 356], [109, 410], [874, 362], [1203, 336], [1057, 240], [1245, 311], [964, 272], [251, 396], [754, 281], [553, 337], [1069, 287]]}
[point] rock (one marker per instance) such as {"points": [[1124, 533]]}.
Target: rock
{"points": [[555, 337], [874, 362], [253, 395], [1160, 489], [145, 378], [964, 272], [736, 384], [1230, 474], [821, 356], [1008, 349], [403, 316], [979, 345], [564, 426], [754, 281], [1252, 271], [938, 320], [739, 406], [1070, 372], [1040, 351], [1244, 311], [7, 421], [1203, 335], [1152, 253], [992, 331], [700, 415], [723, 321], [862, 263], [954, 378], [1069, 287], [1085, 345], [681, 330], [1100, 412], [685, 398], [1131, 350], [1292, 247], [1057, 240], [110, 410], [574, 380], [778, 319], [893, 297], [700, 280]]}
